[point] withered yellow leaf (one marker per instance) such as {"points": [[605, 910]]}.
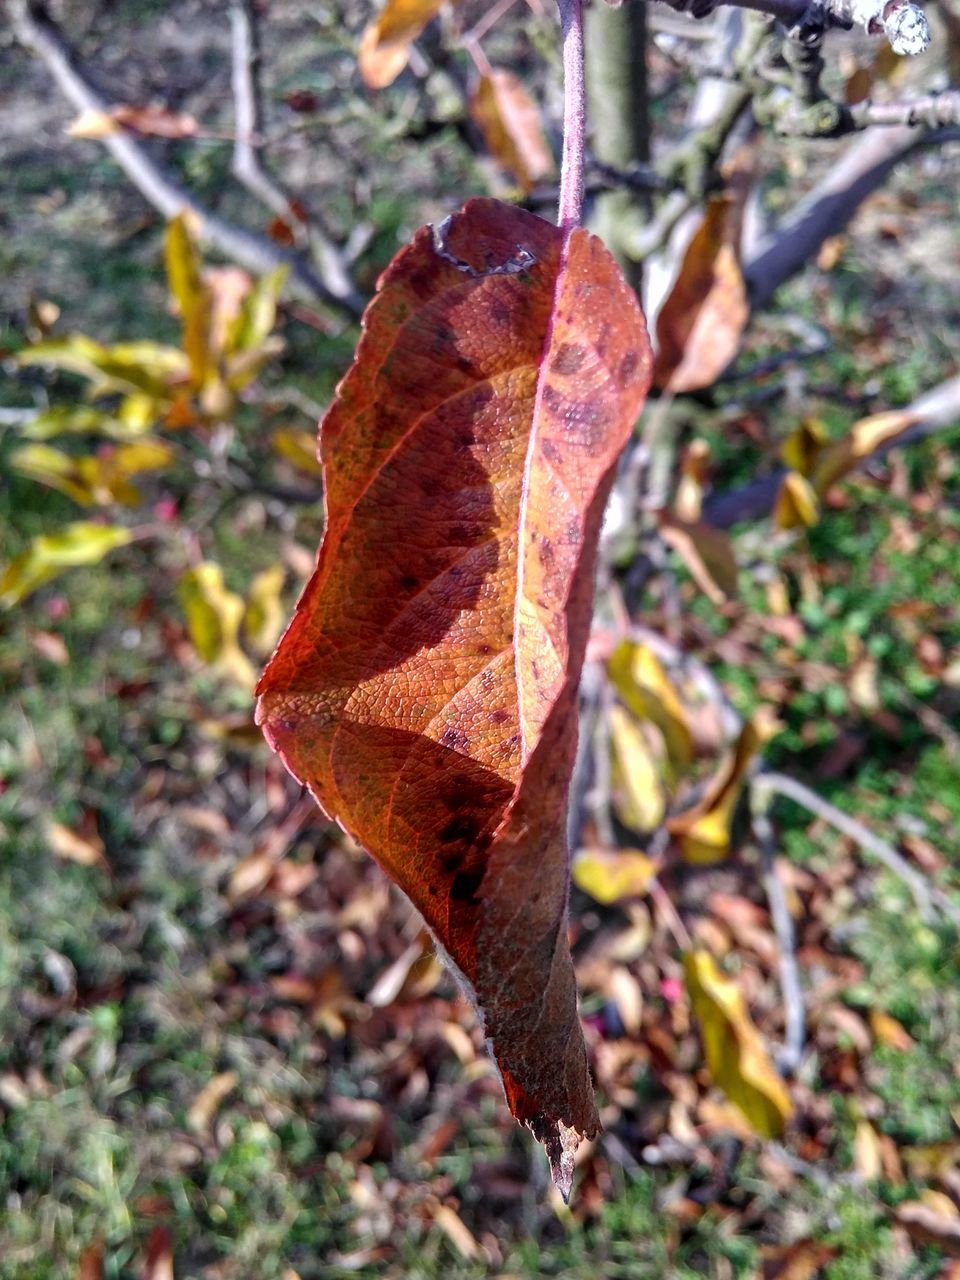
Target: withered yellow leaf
{"points": [[642, 683], [735, 1054], [703, 831], [638, 782], [612, 875]]}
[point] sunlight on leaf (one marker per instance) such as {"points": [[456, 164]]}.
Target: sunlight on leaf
{"points": [[638, 785], [610, 876], [82, 543], [641, 681], [736, 1057], [385, 44], [704, 830], [213, 617]]}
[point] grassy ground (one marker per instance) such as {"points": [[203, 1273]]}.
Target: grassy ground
{"points": [[194, 1030]]}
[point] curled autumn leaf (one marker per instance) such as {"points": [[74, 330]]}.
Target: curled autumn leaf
{"points": [[508, 118], [703, 317], [385, 44], [426, 689], [703, 831]]}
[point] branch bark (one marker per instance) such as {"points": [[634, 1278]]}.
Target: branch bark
{"points": [[36, 32], [830, 205]]}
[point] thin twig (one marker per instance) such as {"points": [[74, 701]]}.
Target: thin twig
{"points": [[247, 165], [254, 252], [927, 897], [574, 115], [793, 1005]]}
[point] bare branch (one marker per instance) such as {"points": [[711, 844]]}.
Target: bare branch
{"points": [[926, 896], [935, 110], [256, 253], [250, 171], [903, 22], [935, 410], [793, 1006], [830, 205]]}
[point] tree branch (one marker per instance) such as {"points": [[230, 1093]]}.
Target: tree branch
{"points": [[826, 210], [927, 897], [574, 113], [903, 22], [935, 410], [247, 166], [34, 30]]}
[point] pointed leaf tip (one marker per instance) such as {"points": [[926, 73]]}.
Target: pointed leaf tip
{"points": [[426, 689]]}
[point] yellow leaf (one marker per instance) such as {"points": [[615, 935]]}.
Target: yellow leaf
{"points": [[639, 678], [637, 775], [183, 262], [863, 439], [257, 315], [264, 616], [52, 467], [797, 502], [509, 120], [736, 1057], [610, 876], [213, 619], [802, 446], [694, 469], [298, 447], [92, 123], [88, 480], [890, 1032], [385, 44], [704, 829], [867, 1156], [144, 366], [82, 543]]}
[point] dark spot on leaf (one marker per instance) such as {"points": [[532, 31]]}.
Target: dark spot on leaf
{"points": [[409, 581], [465, 885], [568, 359], [627, 369], [460, 829]]}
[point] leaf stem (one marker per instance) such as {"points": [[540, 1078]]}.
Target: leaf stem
{"points": [[574, 114]]}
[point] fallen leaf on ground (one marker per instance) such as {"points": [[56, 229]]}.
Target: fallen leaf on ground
{"points": [[209, 1100], [426, 689], [86, 849]]}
